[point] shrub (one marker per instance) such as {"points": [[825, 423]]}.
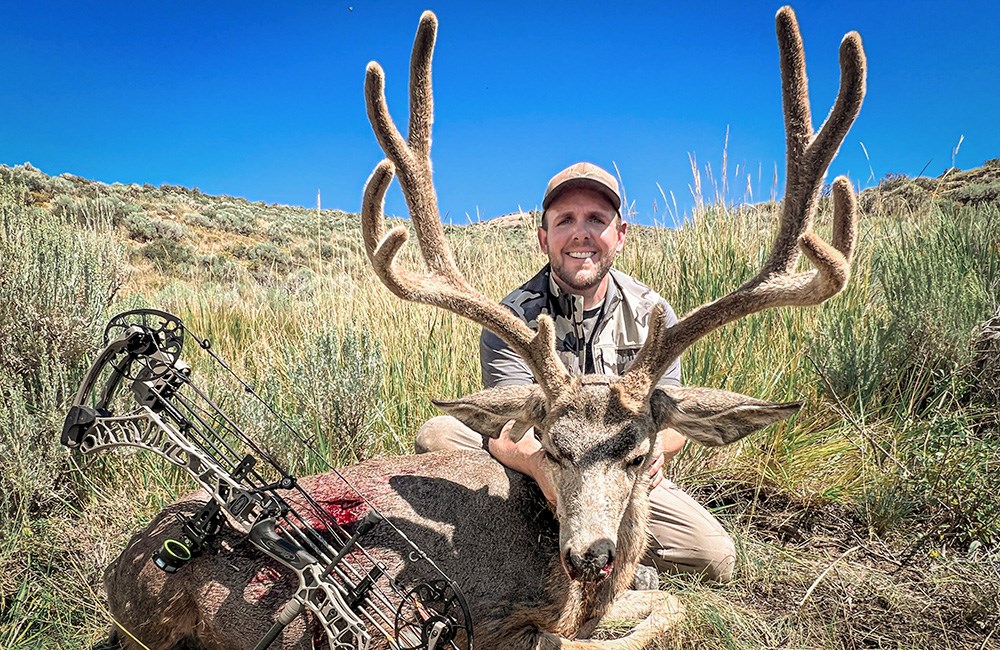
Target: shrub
{"points": [[232, 218], [31, 466], [198, 220], [899, 194], [983, 372], [279, 233], [61, 185], [56, 282], [949, 463], [264, 258], [334, 392], [977, 193], [930, 289], [142, 227], [301, 283], [99, 212], [169, 255], [904, 360], [220, 268], [27, 177]]}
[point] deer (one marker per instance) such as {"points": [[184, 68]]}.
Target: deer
{"points": [[546, 576]]}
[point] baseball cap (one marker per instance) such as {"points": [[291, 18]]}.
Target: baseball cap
{"points": [[583, 174]]}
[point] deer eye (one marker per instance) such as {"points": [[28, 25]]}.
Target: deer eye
{"points": [[636, 462]]}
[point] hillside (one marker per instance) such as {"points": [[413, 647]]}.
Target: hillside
{"points": [[870, 520], [179, 230]]}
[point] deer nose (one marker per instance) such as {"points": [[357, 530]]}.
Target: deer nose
{"points": [[594, 564]]}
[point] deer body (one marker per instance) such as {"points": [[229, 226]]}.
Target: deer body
{"points": [[476, 519], [531, 582]]}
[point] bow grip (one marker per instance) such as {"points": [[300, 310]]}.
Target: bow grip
{"points": [[264, 537]]}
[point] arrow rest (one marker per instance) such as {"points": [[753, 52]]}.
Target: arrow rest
{"points": [[140, 393]]}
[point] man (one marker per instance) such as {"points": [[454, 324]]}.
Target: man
{"points": [[601, 317]]}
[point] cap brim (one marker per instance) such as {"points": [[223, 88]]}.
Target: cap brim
{"points": [[588, 183]]}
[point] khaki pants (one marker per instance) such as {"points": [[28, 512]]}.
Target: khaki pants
{"points": [[684, 537]]}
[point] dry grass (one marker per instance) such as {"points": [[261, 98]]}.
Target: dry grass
{"points": [[861, 522]]}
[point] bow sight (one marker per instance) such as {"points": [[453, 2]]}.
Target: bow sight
{"points": [[139, 393]]}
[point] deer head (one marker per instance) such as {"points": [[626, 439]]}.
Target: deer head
{"points": [[598, 431]]}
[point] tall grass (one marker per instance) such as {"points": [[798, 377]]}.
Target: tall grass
{"points": [[893, 435], [56, 283], [896, 368]]}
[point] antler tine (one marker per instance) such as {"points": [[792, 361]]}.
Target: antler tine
{"points": [[445, 286], [798, 131], [794, 83], [412, 157], [808, 157], [421, 94]]}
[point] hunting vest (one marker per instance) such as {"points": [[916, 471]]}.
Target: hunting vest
{"points": [[604, 340]]}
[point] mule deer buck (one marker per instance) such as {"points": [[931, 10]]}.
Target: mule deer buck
{"points": [[485, 525]]}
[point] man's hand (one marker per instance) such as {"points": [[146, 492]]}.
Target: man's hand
{"points": [[668, 444], [525, 456], [655, 471]]}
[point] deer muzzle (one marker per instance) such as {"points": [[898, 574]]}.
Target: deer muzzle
{"points": [[592, 565]]}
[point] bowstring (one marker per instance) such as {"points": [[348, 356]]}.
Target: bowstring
{"points": [[206, 345]]}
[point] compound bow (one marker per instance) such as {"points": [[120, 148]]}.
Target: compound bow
{"points": [[139, 393]]}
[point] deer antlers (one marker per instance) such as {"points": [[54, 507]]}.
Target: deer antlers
{"points": [[445, 286], [808, 157]]}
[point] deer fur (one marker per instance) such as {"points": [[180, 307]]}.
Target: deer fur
{"points": [[486, 526], [533, 580]]}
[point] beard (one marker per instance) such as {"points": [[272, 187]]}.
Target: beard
{"points": [[585, 279]]}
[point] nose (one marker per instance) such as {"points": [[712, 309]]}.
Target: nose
{"points": [[583, 230], [594, 564]]}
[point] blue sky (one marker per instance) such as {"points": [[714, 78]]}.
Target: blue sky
{"points": [[264, 100]]}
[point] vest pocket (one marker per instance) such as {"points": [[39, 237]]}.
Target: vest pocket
{"points": [[612, 360]]}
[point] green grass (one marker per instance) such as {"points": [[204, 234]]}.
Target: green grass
{"points": [[878, 499]]}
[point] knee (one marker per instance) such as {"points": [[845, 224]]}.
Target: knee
{"points": [[432, 435], [707, 551], [719, 560], [714, 561]]}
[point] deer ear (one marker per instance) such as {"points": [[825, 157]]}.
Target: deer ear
{"points": [[487, 411], [714, 417]]}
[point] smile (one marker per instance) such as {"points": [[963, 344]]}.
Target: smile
{"points": [[582, 255]]}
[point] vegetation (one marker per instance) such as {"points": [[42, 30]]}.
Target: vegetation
{"points": [[869, 520]]}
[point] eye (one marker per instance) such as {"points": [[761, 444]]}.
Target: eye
{"points": [[636, 462]]}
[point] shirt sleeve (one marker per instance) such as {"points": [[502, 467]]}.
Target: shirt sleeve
{"points": [[501, 366], [672, 376]]}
